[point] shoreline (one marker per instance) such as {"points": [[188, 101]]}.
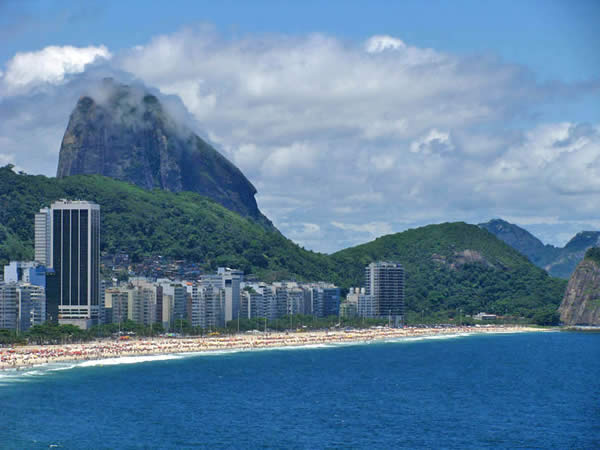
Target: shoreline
{"points": [[36, 355]]}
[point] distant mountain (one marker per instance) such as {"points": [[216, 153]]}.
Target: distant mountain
{"points": [[581, 303], [559, 262], [456, 265], [124, 133], [522, 241], [448, 266]]}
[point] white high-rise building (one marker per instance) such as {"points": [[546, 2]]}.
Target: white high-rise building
{"points": [[43, 242], [231, 282], [18, 271]]}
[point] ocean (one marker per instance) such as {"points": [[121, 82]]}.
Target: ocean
{"points": [[532, 390]]}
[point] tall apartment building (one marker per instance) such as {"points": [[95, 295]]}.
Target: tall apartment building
{"points": [[43, 227], [22, 305], [174, 302], [143, 305], [8, 306], [213, 295], [331, 301], [27, 296], [295, 301], [384, 281], [67, 239], [102, 318], [116, 305], [196, 315], [231, 282], [17, 271]]}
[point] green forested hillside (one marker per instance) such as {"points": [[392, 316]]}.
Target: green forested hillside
{"points": [[140, 222], [593, 254], [443, 275], [448, 266]]}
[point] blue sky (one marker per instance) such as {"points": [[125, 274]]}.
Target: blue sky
{"points": [[509, 90], [556, 39]]}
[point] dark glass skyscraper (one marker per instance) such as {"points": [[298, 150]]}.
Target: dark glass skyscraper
{"points": [[73, 292], [385, 282]]}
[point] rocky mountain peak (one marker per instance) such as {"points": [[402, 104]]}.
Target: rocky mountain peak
{"points": [[124, 132]]}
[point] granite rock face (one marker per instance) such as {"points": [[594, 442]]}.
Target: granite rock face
{"points": [[581, 303], [126, 134]]}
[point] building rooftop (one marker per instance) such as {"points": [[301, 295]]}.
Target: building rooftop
{"points": [[64, 204]]}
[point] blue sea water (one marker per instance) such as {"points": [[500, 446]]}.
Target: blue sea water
{"points": [[534, 390]]}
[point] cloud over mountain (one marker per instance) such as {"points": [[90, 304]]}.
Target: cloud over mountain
{"points": [[357, 139], [49, 65]]}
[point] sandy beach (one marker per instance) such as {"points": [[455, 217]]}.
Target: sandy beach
{"points": [[31, 355]]}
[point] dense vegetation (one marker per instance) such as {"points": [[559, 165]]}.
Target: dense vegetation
{"points": [[593, 254], [182, 226], [441, 278]]}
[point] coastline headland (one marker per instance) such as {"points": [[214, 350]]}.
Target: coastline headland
{"points": [[33, 355]]}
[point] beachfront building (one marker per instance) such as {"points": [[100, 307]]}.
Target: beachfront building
{"points": [[174, 302], [67, 240], [116, 305], [331, 301], [365, 306], [384, 281], [349, 308], [143, 306], [38, 304], [216, 299], [196, 305], [213, 294], [102, 312], [323, 299], [43, 242], [17, 271], [8, 306], [22, 305], [31, 306], [261, 300], [231, 279]]}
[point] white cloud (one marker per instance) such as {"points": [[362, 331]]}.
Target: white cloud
{"points": [[356, 139], [378, 44], [383, 162], [49, 65], [6, 158], [374, 229], [434, 142], [282, 160]]}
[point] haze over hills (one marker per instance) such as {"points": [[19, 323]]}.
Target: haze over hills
{"points": [[448, 266], [125, 133], [558, 261]]}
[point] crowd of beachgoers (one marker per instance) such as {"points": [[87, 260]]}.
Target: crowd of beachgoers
{"points": [[31, 355]]}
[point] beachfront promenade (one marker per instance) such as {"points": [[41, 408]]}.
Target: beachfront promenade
{"points": [[30, 355]]}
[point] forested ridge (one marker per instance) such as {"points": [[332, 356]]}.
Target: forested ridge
{"points": [[448, 267]]}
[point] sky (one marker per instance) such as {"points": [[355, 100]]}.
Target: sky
{"points": [[352, 119]]}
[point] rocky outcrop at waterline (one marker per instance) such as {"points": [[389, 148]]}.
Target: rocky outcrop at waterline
{"points": [[581, 303]]}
